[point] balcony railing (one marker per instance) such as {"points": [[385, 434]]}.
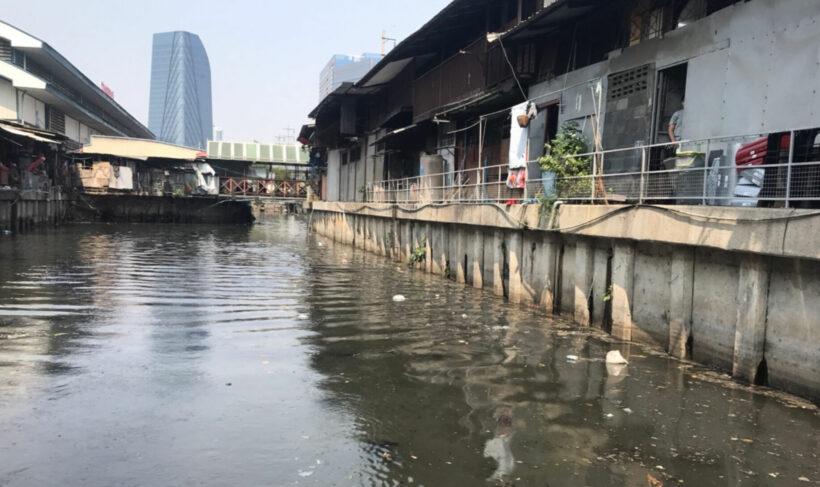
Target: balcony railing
{"points": [[264, 188], [697, 172]]}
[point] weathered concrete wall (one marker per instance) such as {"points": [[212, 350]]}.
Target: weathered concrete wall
{"points": [[21, 212], [160, 209], [643, 274]]}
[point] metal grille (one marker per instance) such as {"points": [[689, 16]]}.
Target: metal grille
{"points": [[5, 50], [56, 120], [646, 21]]}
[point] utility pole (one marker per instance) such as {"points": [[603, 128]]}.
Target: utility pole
{"points": [[384, 40]]}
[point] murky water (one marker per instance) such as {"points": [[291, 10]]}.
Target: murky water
{"points": [[186, 355]]}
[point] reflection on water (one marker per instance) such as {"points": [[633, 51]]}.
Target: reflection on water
{"points": [[174, 355]]}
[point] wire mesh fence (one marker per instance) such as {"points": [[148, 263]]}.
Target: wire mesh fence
{"points": [[773, 170]]}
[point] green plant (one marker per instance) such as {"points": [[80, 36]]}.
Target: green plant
{"points": [[561, 159], [547, 203], [281, 173], [608, 293], [363, 191], [388, 239], [419, 253]]}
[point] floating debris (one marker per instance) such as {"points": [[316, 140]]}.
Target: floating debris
{"points": [[399, 298], [653, 482], [615, 357]]}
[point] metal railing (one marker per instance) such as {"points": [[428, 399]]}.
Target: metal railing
{"points": [[265, 188], [696, 172]]}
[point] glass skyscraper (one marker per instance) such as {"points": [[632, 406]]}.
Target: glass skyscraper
{"points": [[180, 106]]}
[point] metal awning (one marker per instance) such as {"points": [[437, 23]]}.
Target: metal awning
{"points": [[394, 132], [139, 149], [388, 72], [33, 134], [551, 18]]}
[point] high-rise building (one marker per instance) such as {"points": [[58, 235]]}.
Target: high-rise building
{"points": [[180, 106], [342, 68]]}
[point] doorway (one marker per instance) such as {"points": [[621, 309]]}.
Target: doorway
{"points": [[551, 125], [670, 90]]}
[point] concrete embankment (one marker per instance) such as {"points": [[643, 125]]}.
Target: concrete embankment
{"points": [[160, 209], [22, 211], [737, 289]]}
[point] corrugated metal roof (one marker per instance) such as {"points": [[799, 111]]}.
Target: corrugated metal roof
{"points": [[33, 134], [141, 149], [291, 154]]}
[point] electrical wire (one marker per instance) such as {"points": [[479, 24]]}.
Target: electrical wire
{"points": [[512, 68]]}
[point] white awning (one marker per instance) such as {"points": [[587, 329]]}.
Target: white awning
{"points": [[40, 137]]}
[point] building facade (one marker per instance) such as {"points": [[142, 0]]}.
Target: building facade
{"points": [[620, 84], [180, 110], [341, 69], [41, 89]]}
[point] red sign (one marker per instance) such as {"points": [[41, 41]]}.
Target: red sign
{"points": [[108, 91]]}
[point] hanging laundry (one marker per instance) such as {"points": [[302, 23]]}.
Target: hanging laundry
{"points": [[518, 137], [517, 178]]}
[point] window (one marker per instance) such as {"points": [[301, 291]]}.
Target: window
{"points": [[5, 50], [645, 22], [355, 154]]}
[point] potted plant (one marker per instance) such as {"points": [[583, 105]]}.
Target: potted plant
{"points": [[561, 159]]}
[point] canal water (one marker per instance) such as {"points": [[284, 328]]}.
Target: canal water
{"points": [[193, 355]]}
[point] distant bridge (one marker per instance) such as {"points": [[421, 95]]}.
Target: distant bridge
{"points": [[279, 189]]}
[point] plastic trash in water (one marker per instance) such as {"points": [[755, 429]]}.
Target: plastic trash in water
{"points": [[572, 358], [615, 357], [302, 316], [399, 298]]}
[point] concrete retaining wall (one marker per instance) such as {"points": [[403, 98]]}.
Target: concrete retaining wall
{"points": [[160, 209], [21, 212], [751, 308]]}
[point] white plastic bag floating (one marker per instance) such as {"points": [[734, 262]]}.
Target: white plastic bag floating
{"points": [[615, 357], [399, 298]]}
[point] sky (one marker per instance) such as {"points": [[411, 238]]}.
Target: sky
{"points": [[265, 55]]}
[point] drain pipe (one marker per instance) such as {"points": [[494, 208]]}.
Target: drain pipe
{"points": [[554, 213]]}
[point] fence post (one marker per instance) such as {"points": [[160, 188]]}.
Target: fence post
{"points": [[789, 170], [643, 175], [498, 186], [705, 173], [594, 170]]}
